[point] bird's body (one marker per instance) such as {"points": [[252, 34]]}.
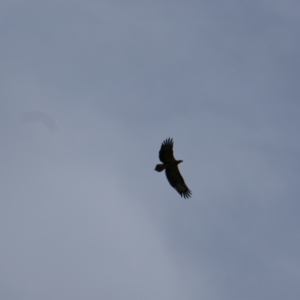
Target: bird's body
{"points": [[170, 165]]}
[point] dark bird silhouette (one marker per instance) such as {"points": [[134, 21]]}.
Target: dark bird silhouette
{"points": [[170, 164]]}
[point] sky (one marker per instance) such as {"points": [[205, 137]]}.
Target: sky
{"points": [[88, 92]]}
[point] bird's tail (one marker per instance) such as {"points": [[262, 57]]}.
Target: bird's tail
{"points": [[159, 167]]}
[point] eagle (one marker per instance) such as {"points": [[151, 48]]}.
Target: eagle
{"points": [[170, 164]]}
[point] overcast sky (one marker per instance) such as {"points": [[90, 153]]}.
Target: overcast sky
{"points": [[88, 92]]}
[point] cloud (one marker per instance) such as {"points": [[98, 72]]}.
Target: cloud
{"points": [[83, 213], [39, 117]]}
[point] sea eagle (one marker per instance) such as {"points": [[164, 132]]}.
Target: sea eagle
{"points": [[170, 164]]}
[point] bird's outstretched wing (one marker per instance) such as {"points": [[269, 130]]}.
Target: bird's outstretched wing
{"points": [[166, 151], [177, 182]]}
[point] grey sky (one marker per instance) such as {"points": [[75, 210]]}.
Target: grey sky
{"points": [[89, 90]]}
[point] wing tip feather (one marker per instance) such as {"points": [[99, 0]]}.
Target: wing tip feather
{"points": [[168, 142], [186, 194]]}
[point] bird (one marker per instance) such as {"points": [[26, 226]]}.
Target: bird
{"points": [[170, 165]]}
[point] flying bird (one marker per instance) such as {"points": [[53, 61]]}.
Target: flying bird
{"points": [[170, 164]]}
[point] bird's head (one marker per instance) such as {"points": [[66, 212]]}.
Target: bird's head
{"points": [[179, 161]]}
